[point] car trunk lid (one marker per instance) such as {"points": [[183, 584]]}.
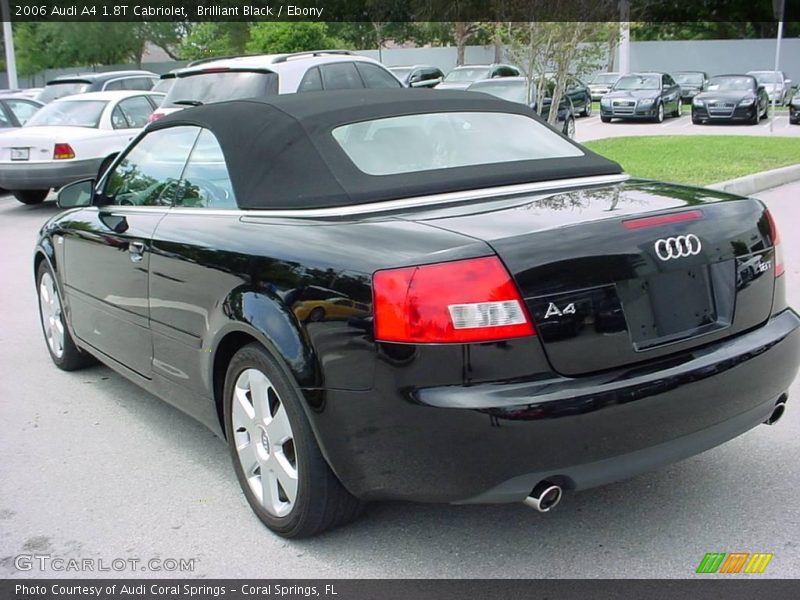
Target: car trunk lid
{"points": [[607, 285]]}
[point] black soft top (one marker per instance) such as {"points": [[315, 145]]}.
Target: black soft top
{"points": [[281, 154]]}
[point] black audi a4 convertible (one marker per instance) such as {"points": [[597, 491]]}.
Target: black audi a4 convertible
{"points": [[416, 295]]}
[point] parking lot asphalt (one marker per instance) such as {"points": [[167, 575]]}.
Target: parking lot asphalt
{"points": [[592, 128], [91, 467]]}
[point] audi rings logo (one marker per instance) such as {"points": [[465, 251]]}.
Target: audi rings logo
{"points": [[678, 247]]}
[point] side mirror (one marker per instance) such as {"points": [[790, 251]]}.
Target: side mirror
{"points": [[76, 194]]}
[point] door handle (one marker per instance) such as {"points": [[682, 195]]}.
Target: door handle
{"points": [[136, 251]]}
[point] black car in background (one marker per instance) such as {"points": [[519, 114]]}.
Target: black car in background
{"points": [[578, 93], [794, 109], [523, 317], [691, 82], [516, 89], [642, 96], [67, 85], [418, 76], [731, 98]]}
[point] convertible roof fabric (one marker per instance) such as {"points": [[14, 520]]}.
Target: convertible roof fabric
{"points": [[281, 154]]}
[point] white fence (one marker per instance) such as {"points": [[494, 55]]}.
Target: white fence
{"points": [[712, 56]]}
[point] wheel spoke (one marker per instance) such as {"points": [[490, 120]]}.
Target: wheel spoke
{"points": [[259, 388], [269, 491], [278, 427], [247, 454], [243, 413], [287, 476]]}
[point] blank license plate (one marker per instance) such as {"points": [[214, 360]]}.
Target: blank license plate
{"points": [[20, 153]]}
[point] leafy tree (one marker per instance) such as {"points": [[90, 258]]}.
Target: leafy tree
{"points": [[282, 36], [215, 39]]}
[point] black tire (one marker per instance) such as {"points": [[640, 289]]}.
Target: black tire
{"points": [[756, 118], [605, 119], [321, 502], [587, 108], [697, 121], [569, 125], [31, 197], [659, 118], [678, 112], [316, 315], [71, 358]]}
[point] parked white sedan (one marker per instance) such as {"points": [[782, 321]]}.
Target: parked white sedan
{"points": [[70, 139]]}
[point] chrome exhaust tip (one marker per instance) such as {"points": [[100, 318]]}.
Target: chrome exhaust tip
{"points": [[544, 497], [777, 413]]}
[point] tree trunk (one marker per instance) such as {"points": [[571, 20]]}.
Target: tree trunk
{"points": [[612, 53], [461, 35]]}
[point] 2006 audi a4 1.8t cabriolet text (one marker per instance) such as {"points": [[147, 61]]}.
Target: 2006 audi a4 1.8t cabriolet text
{"points": [[499, 313]]}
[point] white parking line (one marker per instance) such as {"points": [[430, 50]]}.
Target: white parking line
{"points": [[674, 121]]}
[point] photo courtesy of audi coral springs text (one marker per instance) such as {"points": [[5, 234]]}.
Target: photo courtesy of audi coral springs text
{"points": [[417, 295]]}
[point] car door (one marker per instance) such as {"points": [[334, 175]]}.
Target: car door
{"points": [[670, 94], [576, 93], [107, 248], [183, 290]]}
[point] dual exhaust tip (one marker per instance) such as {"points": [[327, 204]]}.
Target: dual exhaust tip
{"points": [[777, 413], [544, 497]]}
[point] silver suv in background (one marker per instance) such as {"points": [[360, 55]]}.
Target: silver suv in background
{"points": [[230, 78]]}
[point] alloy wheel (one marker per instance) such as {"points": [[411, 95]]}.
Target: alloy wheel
{"points": [[264, 442], [52, 323]]}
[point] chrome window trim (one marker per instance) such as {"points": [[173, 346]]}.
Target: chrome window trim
{"points": [[387, 206]]}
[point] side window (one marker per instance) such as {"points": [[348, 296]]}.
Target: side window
{"points": [[118, 120], [4, 120], [136, 111], [375, 77], [22, 110], [341, 76], [668, 80], [312, 81], [206, 182], [139, 83], [149, 174], [433, 74], [114, 85]]}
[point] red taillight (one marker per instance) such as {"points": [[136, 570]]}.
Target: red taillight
{"points": [[687, 215], [463, 301], [776, 243], [155, 117], [62, 151]]}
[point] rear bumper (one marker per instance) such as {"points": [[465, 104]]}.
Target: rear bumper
{"points": [[42, 176], [494, 442]]}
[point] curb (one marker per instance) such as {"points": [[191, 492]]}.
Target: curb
{"points": [[758, 182]]}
